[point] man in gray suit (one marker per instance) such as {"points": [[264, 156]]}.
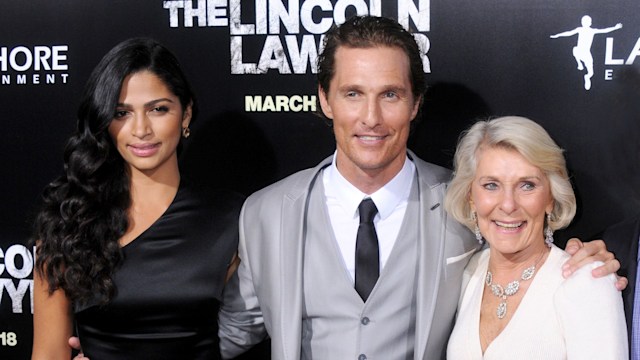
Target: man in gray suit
{"points": [[298, 237], [301, 270]]}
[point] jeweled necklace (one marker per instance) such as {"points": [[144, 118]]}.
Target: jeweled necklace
{"points": [[511, 288]]}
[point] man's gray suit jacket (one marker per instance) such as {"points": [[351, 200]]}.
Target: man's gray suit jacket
{"points": [[264, 297]]}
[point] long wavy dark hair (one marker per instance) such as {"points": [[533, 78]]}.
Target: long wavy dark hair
{"points": [[84, 211]]}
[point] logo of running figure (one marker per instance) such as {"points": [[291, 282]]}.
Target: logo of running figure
{"points": [[582, 51]]}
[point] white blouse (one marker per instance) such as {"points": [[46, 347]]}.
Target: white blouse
{"points": [[577, 318]]}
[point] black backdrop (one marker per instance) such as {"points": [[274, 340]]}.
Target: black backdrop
{"points": [[485, 58]]}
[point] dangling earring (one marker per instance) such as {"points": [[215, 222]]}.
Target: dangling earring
{"points": [[186, 132], [548, 233], [476, 230]]}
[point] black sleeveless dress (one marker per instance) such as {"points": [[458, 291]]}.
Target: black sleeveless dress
{"points": [[169, 286]]}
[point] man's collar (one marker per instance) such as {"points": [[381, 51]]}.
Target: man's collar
{"points": [[386, 198]]}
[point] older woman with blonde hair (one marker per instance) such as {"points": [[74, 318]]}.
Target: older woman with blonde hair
{"points": [[512, 189]]}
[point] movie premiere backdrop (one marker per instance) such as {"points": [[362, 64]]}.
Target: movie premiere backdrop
{"points": [[253, 65]]}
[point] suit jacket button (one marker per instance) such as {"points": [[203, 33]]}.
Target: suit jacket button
{"points": [[362, 357], [364, 321]]}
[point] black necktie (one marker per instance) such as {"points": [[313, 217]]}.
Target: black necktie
{"points": [[367, 254]]}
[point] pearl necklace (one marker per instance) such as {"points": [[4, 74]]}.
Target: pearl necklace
{"points": [[511, 288]]}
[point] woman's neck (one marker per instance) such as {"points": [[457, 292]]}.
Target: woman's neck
{"points": [[505, 264], [147, 191], [147, 185], [150, 198]]}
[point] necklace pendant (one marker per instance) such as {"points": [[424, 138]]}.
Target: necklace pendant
{"points": [[528, 272], [512, 288], [501, 311], [497, 290]]}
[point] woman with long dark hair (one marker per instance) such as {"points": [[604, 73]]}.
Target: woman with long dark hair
{"points": [[125, 247]]}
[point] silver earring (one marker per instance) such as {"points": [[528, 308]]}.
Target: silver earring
{"points": [[476, 229], [186, 132], [548, 233]]}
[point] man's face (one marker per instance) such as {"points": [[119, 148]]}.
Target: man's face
{"points": [[371, 103]]}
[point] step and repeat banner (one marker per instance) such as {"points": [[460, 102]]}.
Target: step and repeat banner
{"points": [[573, 66]]}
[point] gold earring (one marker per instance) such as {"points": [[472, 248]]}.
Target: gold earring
{"points": [[186, 132]]}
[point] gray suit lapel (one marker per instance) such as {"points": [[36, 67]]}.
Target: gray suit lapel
{"points": [[430, 256], [293, 225]]}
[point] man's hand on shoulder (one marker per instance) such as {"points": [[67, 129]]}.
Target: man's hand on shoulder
{"points": [[583, 253]]}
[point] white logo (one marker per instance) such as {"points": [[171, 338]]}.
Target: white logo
{"points": [[22, 65], [582, 51], [290, 33], [17, 262]]}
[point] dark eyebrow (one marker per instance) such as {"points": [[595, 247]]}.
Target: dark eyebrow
{"points": [[395, 88], [350, 87], [148, 104], [153, 102]]}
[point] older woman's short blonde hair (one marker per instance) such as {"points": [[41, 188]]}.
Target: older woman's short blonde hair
{"points": [[533, 143]]}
